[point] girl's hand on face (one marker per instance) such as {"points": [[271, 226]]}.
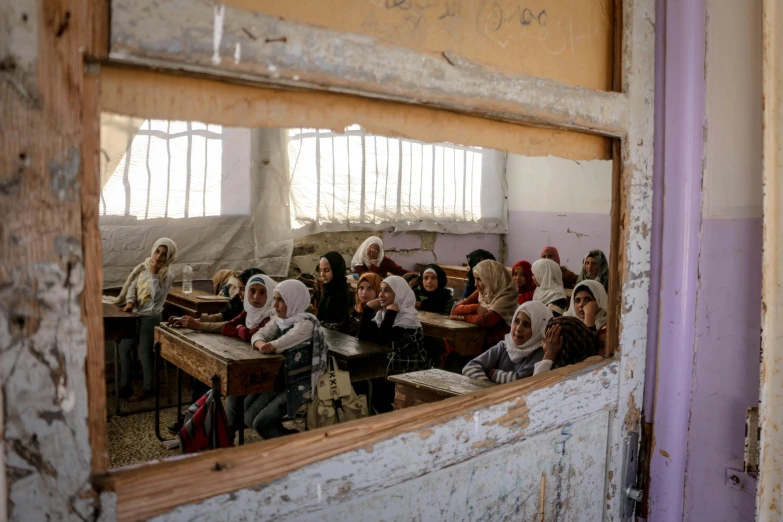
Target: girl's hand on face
{"points": [[127, 308], [375, 304], [393, 307], [590, 310], [553, 343], [154, 269]]}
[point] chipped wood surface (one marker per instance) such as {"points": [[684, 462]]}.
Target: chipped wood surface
{"points": [[769, 505], [182, 35], [379, 451], [241, 370], [412, 389], [147, 94]]}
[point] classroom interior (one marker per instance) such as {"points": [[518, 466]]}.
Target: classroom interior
{"points": [[278, 199]]}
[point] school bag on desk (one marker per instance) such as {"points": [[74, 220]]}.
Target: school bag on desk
{"points": [[335, 400]]}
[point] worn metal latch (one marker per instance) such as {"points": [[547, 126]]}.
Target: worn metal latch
{"points": [[632, 494]]}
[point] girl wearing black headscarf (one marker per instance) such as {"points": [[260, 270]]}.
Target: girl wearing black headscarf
{"points": [[474, 258], [431, 292], [337, 297]]}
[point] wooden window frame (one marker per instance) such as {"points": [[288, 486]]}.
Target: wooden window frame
{"points": [[490, 118]]}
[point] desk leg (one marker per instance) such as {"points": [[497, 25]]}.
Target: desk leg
{"points": [[116, 377], [156, 383], [215, 398]]}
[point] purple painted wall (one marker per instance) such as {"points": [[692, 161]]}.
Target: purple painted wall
{"points": [[574, 234], [449, 249]]}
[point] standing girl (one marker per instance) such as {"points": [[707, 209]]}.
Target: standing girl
{"points": [[144, 293], [292, 326], [370, 258]]}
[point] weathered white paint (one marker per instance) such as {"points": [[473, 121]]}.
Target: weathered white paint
{"points": [[769, 493], [180, 34], [475, 438], [549, 184]]}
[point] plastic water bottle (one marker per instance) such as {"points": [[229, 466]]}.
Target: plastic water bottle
{"points": [[187, 279]]}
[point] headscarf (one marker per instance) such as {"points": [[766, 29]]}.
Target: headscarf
{"points": [[603, 269], [579, 342], [235, 305], [500, 293], [555, 253], [297, 298], [550, 281], [474, 258], [360, 257], [596, 289], [256, 315], [374, 280], [333, 305], [527, 271], [171, 248], [404, 297], [539, 316], [436, 300]]}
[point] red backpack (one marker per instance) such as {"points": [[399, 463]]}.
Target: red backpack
{"points": [[202, 418]]}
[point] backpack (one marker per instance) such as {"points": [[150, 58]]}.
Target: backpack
{"points": [[335, 401], [199, 426]]}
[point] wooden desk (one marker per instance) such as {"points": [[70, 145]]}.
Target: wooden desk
{"points": [[412, 389], [240, 369], [118, 324], [192, 304], [467, 338], [363, 359]]}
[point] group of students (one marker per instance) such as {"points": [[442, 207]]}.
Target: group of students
{"points": [[521, 312]]}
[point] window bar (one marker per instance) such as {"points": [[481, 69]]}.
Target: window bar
{"points": [[318, 178], [187, 179], [168, 168], [421, 176], [464, 182], [472, 166], [348, 145], [442, 179], [432, 206], [149, 178], [125, 172], [454, 178], [363, 203], [399, 179], [377, 175], [386, 179], [206, 162]]}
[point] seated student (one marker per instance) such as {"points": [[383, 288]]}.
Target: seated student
{"points": [[514, 357], [144, 293], [589, 303], [370, 258], [567, 341], [492, 306], [474, 258], [595, 267], [549, 286], [569, 278], [292, 326], [398, 326], [522, 274], [367, 290], [223, 283], [337, 296], [431, 292]]}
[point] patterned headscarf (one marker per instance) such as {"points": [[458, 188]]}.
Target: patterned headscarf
{"points": [[603, 269], [500, 293]]}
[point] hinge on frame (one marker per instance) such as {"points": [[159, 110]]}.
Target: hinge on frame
{"points": [[631, 493]]}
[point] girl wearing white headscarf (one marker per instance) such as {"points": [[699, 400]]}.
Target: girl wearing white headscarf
{"points": [[292, 327], [549, 285], [398, 326], [589, 303], [144, 293], [516, 356], [370, 258]]}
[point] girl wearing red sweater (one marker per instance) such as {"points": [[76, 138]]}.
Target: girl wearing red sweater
{"points": [[522, 274], [370, 258]]}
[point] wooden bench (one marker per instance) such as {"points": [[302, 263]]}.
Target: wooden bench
{"points": [[195, 303], [412, 389], [364, 360], [467, 338]]}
